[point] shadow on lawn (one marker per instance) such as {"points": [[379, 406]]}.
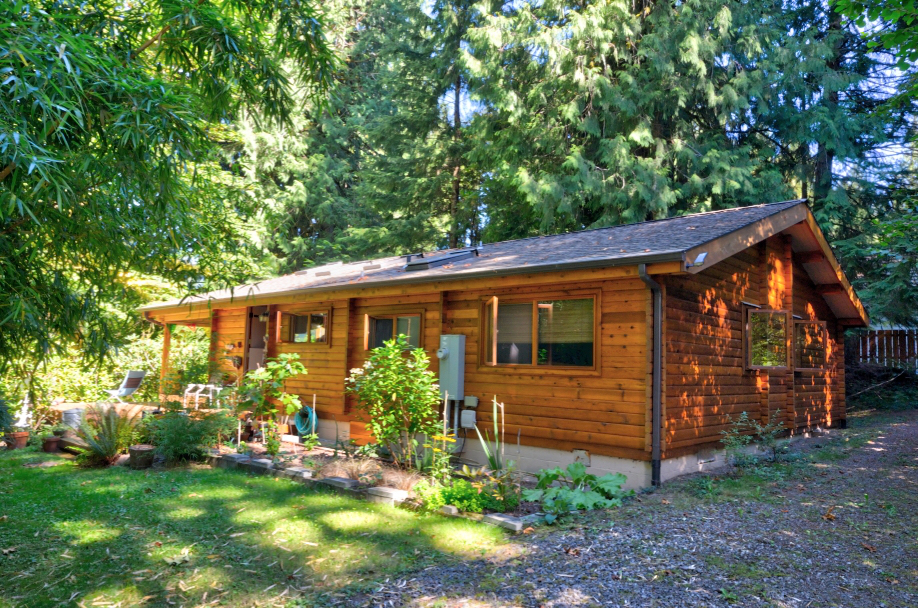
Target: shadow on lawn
{"points": [[106, 535]]}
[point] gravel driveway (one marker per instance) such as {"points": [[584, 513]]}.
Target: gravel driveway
{"points": [[836, 527]]}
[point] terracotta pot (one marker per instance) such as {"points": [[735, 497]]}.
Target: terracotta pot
{"points": [[17, 440], [51, 444], [141, 456]]}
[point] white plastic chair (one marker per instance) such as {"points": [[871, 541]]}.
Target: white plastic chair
{"points": [[195, 392], [129, 386]]}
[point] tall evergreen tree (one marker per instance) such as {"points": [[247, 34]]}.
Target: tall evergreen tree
{"points": [[420, 178]]}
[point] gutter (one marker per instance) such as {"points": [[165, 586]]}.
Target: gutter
{"points": [[657, 379], [654, 258]]}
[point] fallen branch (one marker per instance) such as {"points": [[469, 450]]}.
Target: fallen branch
{"points": [[876, 386]]}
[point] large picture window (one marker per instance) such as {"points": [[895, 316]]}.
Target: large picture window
{"points": [[809, 345], [766, 338], [305, 327], [386, 327], [549, 332]]}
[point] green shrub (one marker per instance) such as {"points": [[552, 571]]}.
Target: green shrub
{"points": [[181, 438], [263, 387], [464, 496], [107, 434], [576, 490], [430, 495], [397, 396]]}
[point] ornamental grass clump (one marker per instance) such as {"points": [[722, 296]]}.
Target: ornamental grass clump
{"points": [[397, 396]]}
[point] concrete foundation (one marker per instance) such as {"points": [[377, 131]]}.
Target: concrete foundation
{"points": [[532, 459]]}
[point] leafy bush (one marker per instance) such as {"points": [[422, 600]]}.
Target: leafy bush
{"points": [[464, 496], [181, 438], [429, 494], [264, 386], [107, 434], [501, 488], [577, 491], [397, 396]]}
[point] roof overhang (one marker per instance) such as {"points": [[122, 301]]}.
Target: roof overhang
{"points": [[810, 248]]}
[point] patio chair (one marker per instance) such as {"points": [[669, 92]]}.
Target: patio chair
{"points": [[129, 385]]}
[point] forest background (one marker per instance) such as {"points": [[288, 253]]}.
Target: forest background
{"points": [[154, 149]]}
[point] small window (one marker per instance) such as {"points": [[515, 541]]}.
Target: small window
{"points": [[809, 345], [766, 338], [383, 328], [540, 332], [307, 328]]}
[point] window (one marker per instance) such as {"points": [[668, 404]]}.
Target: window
{"points": [[383, 328], [540, 332], [766, 338], [809, 344], [309, 328]]}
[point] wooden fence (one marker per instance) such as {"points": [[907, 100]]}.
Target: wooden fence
{"points": [[887, 347]]}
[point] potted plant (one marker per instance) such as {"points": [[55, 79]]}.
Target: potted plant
{"points": [[16, 437], [50, 442]]}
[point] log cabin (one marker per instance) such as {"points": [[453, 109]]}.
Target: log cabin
{"points": [[628, 348]]}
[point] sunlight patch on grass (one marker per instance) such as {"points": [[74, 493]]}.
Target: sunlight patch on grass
{"points": [[465, 539], [353, 520], [185, 512], [87, 532]]}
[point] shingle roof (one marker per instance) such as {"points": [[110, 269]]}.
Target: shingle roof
{"points": [[654, 241]]}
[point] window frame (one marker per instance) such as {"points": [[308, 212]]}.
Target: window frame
{"points": [[279, 337], [825, 343], [394, 315], [747, 336], [534, 299]]}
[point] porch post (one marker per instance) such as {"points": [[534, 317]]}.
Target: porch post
{"points": [[164, 367]]}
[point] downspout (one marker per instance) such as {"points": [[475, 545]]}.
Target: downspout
{"points": [[657, 379]]}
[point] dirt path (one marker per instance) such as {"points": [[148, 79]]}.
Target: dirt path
{"points": [[836, 527]]}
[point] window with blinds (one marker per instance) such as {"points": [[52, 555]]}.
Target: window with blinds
{"points": [[540, 332]]}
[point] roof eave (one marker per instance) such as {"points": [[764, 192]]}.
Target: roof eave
{"points": [[654, 258]]}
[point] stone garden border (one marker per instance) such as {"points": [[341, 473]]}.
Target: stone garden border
{"points": [[349, 487]]}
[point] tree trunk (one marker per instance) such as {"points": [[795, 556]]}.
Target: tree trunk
{"points": [[457, 163], [825, 155]]}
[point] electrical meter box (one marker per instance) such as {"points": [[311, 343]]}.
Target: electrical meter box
{"points": [[452, 366]]}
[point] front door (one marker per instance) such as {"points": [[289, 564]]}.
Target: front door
{"points": [[256, 340]]}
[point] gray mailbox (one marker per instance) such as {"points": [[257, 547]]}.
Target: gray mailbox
{"points": [[452, 365]]}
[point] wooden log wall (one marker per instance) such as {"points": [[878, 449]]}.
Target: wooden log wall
{"points": [[326, 363], [427, 305], [819, 395], [707, 383], [602, 410], [227, 328]]}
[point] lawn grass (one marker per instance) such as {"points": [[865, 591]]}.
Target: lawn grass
{"points": [[106, 537]]}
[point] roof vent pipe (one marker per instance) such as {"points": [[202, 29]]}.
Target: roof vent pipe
{"points": [[657, 389]]}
